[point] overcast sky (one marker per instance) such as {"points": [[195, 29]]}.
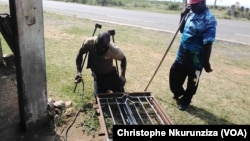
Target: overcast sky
{"points": [[245, 3]]}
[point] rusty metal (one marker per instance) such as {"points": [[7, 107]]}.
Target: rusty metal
{"points": [[138, 108]]}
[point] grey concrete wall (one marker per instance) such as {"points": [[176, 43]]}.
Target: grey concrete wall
{"points": [[1, 53], [32, 76]]}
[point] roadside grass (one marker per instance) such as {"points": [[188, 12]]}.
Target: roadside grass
{"points": [[222, 96]]}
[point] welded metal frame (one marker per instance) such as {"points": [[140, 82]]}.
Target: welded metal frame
{"points": [[137, 108]]}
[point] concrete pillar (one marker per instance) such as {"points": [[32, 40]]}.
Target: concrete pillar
{"points": [[30, 62]]}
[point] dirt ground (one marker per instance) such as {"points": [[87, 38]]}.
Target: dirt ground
{"points": [[10, 129]]}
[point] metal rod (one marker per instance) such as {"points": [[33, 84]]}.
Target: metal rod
{"points": [[120, 111], [130, 114], [154, 111], [111, 113], [146, 111], [138, 112], [165, 54]]}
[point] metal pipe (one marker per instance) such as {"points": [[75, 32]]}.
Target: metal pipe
{"points": [[165, 54]]}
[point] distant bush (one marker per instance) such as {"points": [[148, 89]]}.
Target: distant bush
{"points": [[83, 1], [174, 6], [117, 3]]}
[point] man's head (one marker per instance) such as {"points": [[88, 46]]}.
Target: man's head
{"points": [[102, 42], [198, 6]]}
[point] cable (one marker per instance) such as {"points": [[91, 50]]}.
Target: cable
{"points": [[66, 133]]}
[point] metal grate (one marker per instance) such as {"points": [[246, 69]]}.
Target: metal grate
{"points": [[139, 108]]}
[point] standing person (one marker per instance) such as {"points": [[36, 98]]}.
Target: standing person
{"points": [[198, 34], [101, 54]]}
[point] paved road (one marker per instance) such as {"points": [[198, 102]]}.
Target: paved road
{"points": [[228, 30]]}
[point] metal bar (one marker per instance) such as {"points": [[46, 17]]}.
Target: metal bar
{"points": [[163, 115], [155, 111], [132, 118], [110, 110], [126, 115], [120, 111], [138, 113], [132, 109], [145, 110], [102, 121]]}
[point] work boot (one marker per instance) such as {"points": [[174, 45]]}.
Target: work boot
{"points": [[177, 98], [184, 102], [182, 107]]}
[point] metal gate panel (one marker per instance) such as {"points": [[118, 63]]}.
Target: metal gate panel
{"points": [[137, 108]]}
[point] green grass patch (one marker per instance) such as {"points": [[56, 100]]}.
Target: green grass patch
{"points": [[222, 96]]}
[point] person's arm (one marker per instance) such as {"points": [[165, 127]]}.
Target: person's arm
{"points": [[117, 54], [79, 60], [123, 71], [207, 54], [123, 66], [79, 63], [182, 19]]}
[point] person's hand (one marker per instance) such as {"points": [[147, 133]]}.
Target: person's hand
{"points": [[78, 78], [184, 13], [186, 10], [208, 68], [122, 80]]}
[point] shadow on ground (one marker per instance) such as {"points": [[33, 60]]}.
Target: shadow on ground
{"points": [[208, 117], [10, 129]]}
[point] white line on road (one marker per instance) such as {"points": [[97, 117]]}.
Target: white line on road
{"points": [[131, 19], [243, 35]]}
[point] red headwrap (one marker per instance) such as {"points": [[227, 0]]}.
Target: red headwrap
{"points": [[195, 1]]}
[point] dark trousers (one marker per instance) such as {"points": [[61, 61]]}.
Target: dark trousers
{"points": [[177, 77], [107, 82]]}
